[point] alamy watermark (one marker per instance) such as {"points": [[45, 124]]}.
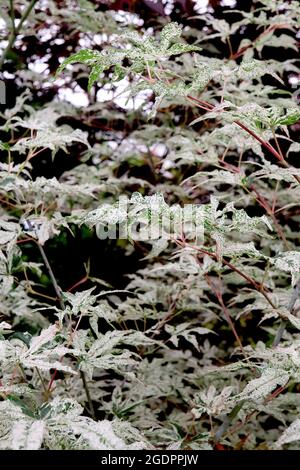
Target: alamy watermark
{"points": [[138, 219], [150, 220]]}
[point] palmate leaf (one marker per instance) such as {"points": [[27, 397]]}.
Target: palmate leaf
{"points": [[80, 300], [44, 190], [44, 338], [235, 250], [105, 352], [98, 61], [53, 139], [118, 361], [147, 49], [43, 354], [221, 176], [169, 33], [291, 117], [102, 436], [253, 69], [212, 402], [85, 56], [187, 332], [258, 389], [59, 425], [143, 50]]}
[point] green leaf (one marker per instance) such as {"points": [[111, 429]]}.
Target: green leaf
{"points": [[85, 56]]}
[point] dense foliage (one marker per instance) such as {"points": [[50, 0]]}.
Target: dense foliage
{"points": [[115, 121]]}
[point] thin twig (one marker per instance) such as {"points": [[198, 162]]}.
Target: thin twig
{"points": [[42, 382], [227, 315], [258, 287], [88, 395], [53, 279], [62, 305]]}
